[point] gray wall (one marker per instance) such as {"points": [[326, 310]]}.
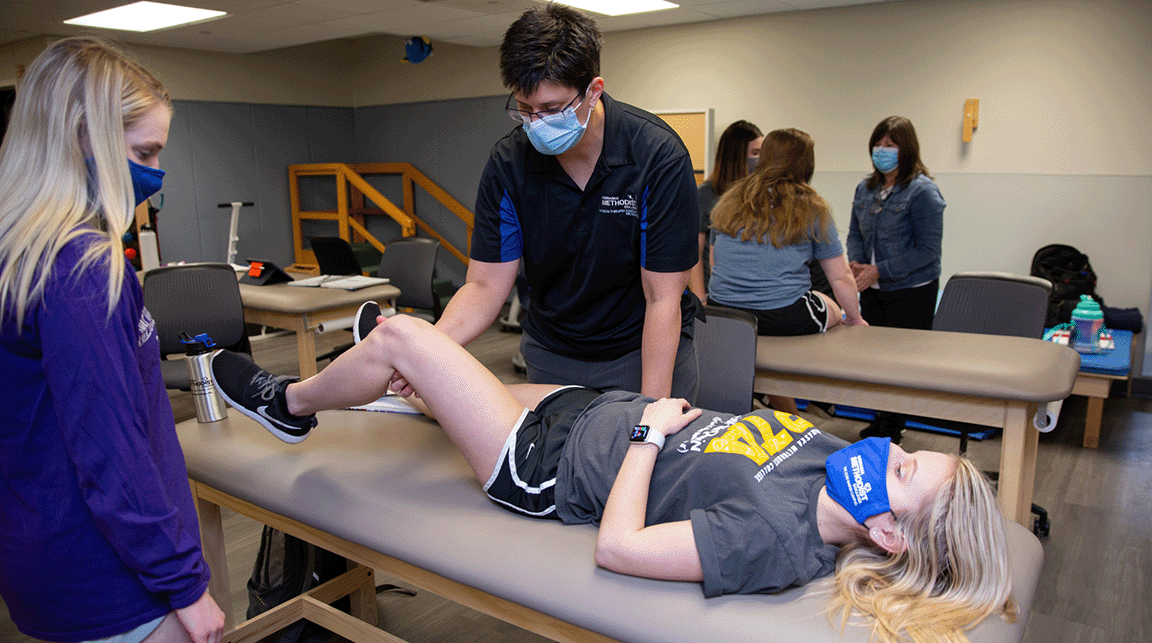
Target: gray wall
{"points": [[223, 152], [449, 142]]}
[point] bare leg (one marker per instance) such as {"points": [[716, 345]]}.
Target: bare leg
{"points": [[473, 407], [528, 395]]}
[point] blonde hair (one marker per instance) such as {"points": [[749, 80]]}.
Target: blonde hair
{"points": [[775, 203], [952, 574], [73, 103]]}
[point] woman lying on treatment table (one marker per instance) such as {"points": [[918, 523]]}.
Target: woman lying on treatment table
{"points": [[742, 504]]}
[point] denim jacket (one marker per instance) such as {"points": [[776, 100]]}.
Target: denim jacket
{"points": [[904, 230]]}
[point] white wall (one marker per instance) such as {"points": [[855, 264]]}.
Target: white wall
{"points": [[306, 75]]}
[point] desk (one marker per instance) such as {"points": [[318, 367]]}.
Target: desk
{"points": [[300, 309], [1097, 372], [983, 379]]}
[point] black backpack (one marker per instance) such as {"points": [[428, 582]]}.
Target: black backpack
{"points": [[1071, 275], [287, 567]]}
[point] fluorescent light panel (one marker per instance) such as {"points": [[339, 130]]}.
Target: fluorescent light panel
{"points": [[144, 16], [619, 7]]}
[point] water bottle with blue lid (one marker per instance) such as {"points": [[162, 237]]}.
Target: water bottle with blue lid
{"points": [[198, 352], [1087, 320]]}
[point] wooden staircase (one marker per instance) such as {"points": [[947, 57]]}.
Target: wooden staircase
{"points": [[357, 199]]}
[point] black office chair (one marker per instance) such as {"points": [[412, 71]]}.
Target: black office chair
{"points": [[335, 256], [409, 263], [194, 298], [995, 303], [726, 352]]}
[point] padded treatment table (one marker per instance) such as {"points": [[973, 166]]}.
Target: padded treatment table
{"points": [[983, 379], [300, 309], [1097, 372], [391, 492]]}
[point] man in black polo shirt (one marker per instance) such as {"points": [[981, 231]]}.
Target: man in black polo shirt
{"points": [[597, 200]]}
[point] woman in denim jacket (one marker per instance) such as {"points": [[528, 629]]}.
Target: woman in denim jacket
{"points": [[896, 230]]}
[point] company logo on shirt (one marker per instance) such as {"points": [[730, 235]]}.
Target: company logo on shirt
{"points": [[625, 205], [145, 328], [768, 443]]}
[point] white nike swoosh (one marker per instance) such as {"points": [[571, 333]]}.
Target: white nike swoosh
{"points": [[264, 414], [530, 447]]}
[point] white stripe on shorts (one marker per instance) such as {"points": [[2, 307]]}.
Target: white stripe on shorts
{"points": [[821, 305]]}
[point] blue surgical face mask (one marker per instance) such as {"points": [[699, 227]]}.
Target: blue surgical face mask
{"points": [[752, 162], [146, 181], [858, 477], [557, 134], [885, 158]]}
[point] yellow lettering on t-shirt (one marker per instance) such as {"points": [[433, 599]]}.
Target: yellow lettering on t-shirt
{"points": [[773, 442], [738, 440], [795, 423]]}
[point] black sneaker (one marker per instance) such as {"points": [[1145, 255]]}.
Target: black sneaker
{"points": [[365, 320], [259, 395]]}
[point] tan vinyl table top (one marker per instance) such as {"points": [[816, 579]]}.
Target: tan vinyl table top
{"points": [[1016, 368]]}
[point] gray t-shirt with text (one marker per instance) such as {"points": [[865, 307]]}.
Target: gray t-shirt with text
{"points": [[748, 484]]}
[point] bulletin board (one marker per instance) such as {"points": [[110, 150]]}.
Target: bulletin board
{"points": [[695, 129]]}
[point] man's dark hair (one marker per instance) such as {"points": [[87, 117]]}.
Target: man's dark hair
{"points": [[554, 43]]}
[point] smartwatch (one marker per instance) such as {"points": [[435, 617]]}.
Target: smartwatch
{"points": [[643, 434]]}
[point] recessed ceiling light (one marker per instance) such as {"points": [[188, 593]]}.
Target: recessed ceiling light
{"points": [[144, 16], [619, 7]]}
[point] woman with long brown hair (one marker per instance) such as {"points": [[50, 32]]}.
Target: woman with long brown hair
{"points": [[766, 228]]}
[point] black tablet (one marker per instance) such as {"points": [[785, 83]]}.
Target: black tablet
{"points": [[262, 272]]}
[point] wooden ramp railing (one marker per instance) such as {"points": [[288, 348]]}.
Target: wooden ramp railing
{"points": [[351, 192]]}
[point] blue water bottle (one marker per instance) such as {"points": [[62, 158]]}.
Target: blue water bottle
{"points": [[1087, 319]]}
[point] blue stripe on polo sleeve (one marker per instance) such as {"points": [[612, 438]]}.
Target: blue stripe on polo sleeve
{"points": [[511, 236], [644, 229]]}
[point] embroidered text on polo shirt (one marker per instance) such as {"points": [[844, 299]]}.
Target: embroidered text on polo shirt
{"points": [[625, 205]]}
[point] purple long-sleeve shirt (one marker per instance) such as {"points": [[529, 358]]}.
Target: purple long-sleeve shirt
{"points": [[98, 531]]}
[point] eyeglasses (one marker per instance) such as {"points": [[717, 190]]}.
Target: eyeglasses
{"points": [[548, 115]]}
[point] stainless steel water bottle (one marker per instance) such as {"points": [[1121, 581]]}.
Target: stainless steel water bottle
{"points": [[198, 357]]}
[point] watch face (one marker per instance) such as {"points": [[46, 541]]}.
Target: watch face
{"points": [[639, 433]]}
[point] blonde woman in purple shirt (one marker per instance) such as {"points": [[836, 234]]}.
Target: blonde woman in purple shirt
{"points": [[98, 531]]}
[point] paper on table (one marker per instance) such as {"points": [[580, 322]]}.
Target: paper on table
{"points": [[354, 282], [389, 403], [310, 281]]}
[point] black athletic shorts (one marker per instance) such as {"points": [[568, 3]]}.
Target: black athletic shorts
{"points": [[807, 315], [525, 477]]}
